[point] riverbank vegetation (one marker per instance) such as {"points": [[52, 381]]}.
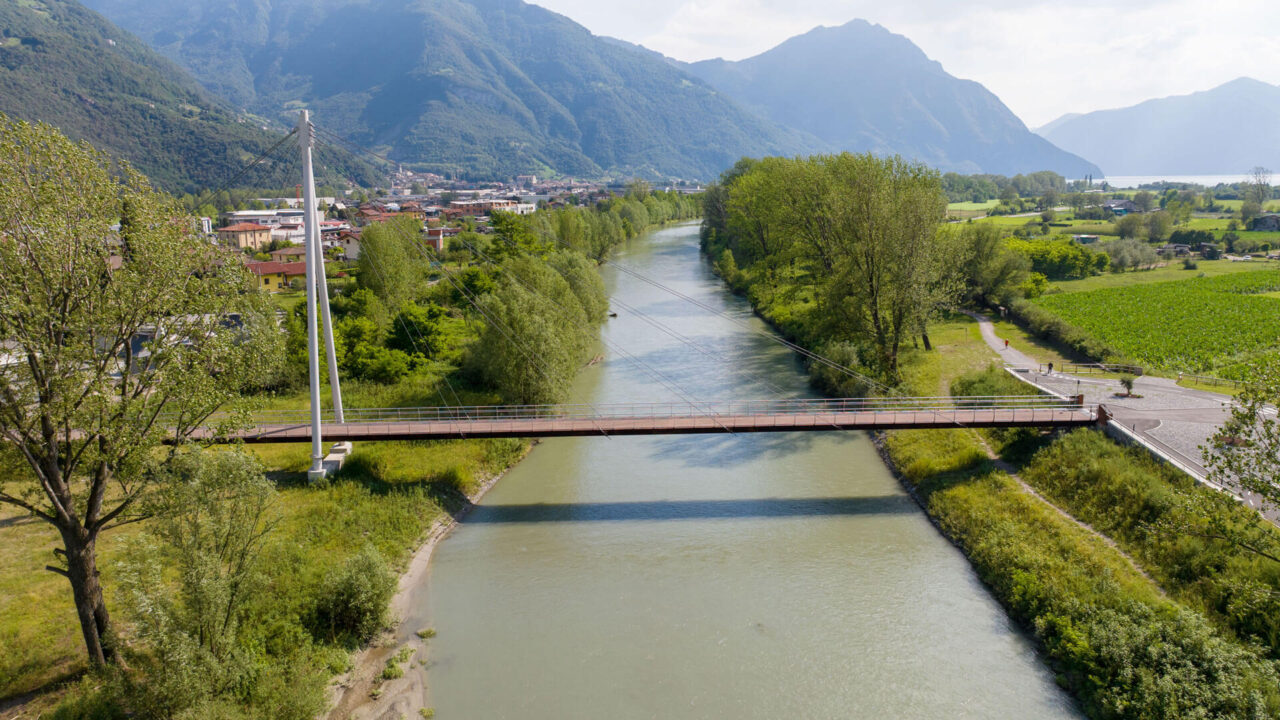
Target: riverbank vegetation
{"points": [[843, 250], [1168, 617], [239, 588], [1179, 634]]}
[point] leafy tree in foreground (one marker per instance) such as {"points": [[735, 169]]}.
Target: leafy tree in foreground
{"points": [[1245, 452], [112, 343]]}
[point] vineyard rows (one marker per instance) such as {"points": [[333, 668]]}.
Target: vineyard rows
{"points": [[1195, 325]]}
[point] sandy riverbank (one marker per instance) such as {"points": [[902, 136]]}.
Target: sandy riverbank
{"points": [[361, 693]]}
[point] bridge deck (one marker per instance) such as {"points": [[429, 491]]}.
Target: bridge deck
{"points": [[877, 419]]}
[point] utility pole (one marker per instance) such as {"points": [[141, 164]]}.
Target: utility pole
{"points": [[317, 285]]}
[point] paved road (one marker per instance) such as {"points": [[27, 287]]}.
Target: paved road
{"points": [[1176, 420]]}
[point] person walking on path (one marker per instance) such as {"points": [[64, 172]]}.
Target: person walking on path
{"points": [[1006, 344]]}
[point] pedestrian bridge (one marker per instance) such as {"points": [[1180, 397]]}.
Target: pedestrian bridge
{"points": [[675, 418]]}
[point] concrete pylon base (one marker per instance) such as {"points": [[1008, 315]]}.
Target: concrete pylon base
{"points": [[331, 463]]}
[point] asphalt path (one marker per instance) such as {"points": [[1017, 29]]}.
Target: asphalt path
{"points": [[1178, 422]]}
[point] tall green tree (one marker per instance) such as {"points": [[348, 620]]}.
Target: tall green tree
{"points": [[992, 272], [390, 263], [107, 354]]}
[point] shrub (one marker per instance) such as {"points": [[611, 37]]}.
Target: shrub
{"points": [[1126, 380], [352, 603], [1189, 264], [835, 383]]}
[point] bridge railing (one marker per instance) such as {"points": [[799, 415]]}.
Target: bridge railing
{"points": [[717, 409]]}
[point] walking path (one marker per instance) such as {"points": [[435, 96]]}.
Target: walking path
{"points": [[1177, 421]]}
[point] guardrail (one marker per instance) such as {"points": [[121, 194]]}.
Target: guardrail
{"points": [[1210, 380], [1095, 368], [720, 409]]}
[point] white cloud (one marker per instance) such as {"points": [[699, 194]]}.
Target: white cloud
{"points": [[1041, 58]]}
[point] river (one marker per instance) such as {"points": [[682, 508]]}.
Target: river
{"points": [[719, 576]]}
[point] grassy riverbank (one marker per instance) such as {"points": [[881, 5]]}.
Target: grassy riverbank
{"points": [[1134, 623], [384, 501], [1144, 641], [388, 496]]}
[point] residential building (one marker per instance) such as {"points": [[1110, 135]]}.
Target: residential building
{"points": [[297, 253], [1121, 207], [245, 235], [274, 276]]}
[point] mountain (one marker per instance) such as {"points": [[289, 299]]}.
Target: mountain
{"points": [[1228, 129], [480, 88], [64, 64], [860, 87], [1050, 126]]}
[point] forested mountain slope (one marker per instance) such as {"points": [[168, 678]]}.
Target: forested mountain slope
{"points": [[64, 64], [481, 88]]}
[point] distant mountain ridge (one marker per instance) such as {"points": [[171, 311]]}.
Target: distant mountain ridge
{"points": [[64, 64], [860, 87], [1228, 129], [485, 88], [493, 88]]}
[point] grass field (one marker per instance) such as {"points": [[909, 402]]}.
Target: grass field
{"points": [[387, 494], [1171, 271], [973, 205]]}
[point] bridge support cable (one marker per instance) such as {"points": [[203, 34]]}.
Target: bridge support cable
{"points": [[815, 357], [666, 381], [414, 336], [269, 152], [662, 379], [506, 333], [805, 352], [334, 139]]}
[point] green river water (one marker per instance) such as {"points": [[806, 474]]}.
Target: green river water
{"points": [[719, 576]]}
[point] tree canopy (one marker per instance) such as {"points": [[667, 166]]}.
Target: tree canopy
{"points": [[122, 329]]}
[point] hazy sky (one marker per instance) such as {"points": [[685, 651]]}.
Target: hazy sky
{"points": [[1041, 58]]}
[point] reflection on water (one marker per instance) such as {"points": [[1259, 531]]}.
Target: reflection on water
{"points": [[712, 576]]}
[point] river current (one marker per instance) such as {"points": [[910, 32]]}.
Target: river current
{"points": [[718, 576]]}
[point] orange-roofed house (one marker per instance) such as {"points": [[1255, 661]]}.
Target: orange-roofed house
{"points": [[245, 235], [274, 276]]}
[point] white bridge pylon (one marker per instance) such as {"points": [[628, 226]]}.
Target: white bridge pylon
{"points": [[321, 464]]}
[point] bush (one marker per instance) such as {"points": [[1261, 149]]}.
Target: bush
{"points": [[835, 383], [351, 606], [1127, 380], [455, 478], [1189, 264]]}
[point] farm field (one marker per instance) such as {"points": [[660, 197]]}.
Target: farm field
{"points": [[1170, 272], [1212, 325], [973, 205]]}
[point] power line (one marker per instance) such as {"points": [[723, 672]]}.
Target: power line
{"points": [[649, 320], [270, 151], [662, 379]]}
